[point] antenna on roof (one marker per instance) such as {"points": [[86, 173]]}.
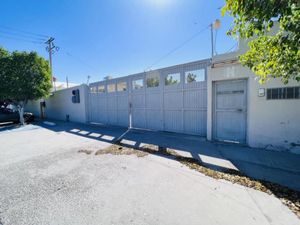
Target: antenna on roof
{"points": [[88, 80]]}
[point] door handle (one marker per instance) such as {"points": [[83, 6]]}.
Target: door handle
{"points": [[239, 110]]}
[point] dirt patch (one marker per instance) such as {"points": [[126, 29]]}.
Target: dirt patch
{"points": [[121, 150], [88, 152]]}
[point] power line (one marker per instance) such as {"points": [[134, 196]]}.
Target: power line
{"points": [[23, 31], [21, 35], [178, 47], [15, 34], [233, 47], [20, 39], [81, 61]]}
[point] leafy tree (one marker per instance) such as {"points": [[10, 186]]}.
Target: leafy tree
{"points": [[191, 78], [169, 80], [152, 81], [23, 77], [274, 55]]}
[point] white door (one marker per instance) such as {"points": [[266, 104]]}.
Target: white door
{"points": [[230, 110]]}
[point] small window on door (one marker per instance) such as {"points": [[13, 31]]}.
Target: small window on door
{"points": [[152, 81], [101, 89], [111, 88], [137, 84], [122, 86], [195, 76], [93, 89], [172, 79]]}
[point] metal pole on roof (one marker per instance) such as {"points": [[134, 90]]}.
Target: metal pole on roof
{"points": [[214, 26], [212, 40]]}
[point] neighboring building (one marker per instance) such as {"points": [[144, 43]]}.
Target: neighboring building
{"points": [[218, 99], [62, 85], [59, 105], [242, 110]]}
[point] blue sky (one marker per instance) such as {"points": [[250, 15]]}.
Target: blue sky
{"points": [[114, 37]]}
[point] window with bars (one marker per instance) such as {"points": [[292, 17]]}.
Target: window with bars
{"points": [[283, 93]]}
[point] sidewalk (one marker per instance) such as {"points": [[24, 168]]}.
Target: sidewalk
{"points": [[278, 167]]}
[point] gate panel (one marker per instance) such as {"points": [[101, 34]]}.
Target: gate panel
{"points": [[230, 111], [170, 99]]}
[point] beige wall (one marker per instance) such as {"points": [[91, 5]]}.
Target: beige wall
{"points": [[270, 123], [60, 104]]}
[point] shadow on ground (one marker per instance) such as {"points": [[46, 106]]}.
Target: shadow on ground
{"points": [[278, 167]]}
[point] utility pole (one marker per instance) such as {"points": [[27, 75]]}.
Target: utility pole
{"points": [[67, 80], [51, 48]]}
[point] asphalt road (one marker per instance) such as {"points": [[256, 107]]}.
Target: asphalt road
{"points": [[44, 180]]}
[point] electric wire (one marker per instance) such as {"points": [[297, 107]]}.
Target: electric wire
{"points": [[233, 47], [14, 34], [23, 31], [176, 48], [21, 35], [20, 39], [81, 61]]}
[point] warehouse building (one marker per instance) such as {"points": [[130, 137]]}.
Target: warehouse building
{"points": [[216, 98]]}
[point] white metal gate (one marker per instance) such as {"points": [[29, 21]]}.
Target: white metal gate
{"points": [[108, 104], [170, 99], [230, 110]]}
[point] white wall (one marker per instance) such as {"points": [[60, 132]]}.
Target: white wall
{"points": [[60, 104], [270, 123]]}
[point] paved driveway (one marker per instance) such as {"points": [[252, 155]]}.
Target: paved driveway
{"points": [[44, 180]]}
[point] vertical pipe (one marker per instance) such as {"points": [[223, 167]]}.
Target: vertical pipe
{"points": [[212, 40]]}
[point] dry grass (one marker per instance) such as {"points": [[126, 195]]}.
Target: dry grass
{"points": [[120, 150]]}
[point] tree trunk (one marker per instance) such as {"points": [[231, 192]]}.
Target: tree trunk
{"points": [[20, 107], [21, 114]]}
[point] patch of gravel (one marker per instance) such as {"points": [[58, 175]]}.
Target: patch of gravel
{"points": [[121, 150], [289, 197]]}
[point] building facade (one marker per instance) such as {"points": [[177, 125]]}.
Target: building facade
{"points": [[242, 110], [218, 99]]}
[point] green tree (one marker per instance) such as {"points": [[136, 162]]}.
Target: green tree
{"points": [[191, 78], [271, 54], [152, 81], [169, 80], [23, 77]]}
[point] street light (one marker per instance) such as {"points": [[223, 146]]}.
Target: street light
{"points": [[214, 26]]}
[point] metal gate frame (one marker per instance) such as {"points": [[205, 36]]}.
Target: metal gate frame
{"points": [[176, 108], [214, 121]]}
